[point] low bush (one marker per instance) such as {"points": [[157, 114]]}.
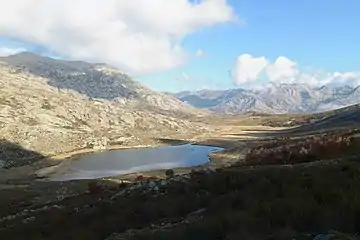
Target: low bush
{"points": [[287, 151]]}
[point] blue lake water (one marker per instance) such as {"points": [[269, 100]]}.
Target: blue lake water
{"points": [[125, 161]]}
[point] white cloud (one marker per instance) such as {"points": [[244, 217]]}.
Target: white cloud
{"points": [[248, 70], [199, 53], [138, 36], [282, 69], [338, 78], [6, 51]]}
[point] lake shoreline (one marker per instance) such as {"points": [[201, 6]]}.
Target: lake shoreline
{"points": [[47, 173], [67, 158], [228, 156]]}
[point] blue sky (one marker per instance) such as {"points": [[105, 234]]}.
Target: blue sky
{"points": [[318, 34], [313, 36]]}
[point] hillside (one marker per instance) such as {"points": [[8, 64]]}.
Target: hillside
{"points": [[278, 188], [274, 99], [95, 81], [344, 117], [53, 106]]}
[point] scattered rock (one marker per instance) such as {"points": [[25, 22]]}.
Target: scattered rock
{"points": [[163, 182], [152, 184], [27, 220]]}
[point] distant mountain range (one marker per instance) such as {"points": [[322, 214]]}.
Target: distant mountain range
{"points": [[273, 98]]}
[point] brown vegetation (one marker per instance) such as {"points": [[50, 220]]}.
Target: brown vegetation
{"points": [[230, 203], [292, 151]]}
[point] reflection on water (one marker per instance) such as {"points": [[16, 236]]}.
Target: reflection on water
{"points": [[117, 162]]}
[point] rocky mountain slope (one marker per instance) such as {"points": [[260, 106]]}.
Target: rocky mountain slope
{"points": [[96, 81], [52, 106], [274, 98]]}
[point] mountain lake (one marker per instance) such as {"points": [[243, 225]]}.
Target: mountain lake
{"points": [[126, 161]]}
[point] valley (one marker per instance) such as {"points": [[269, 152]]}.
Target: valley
{"points": [[277, 176], [209, 200]]}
